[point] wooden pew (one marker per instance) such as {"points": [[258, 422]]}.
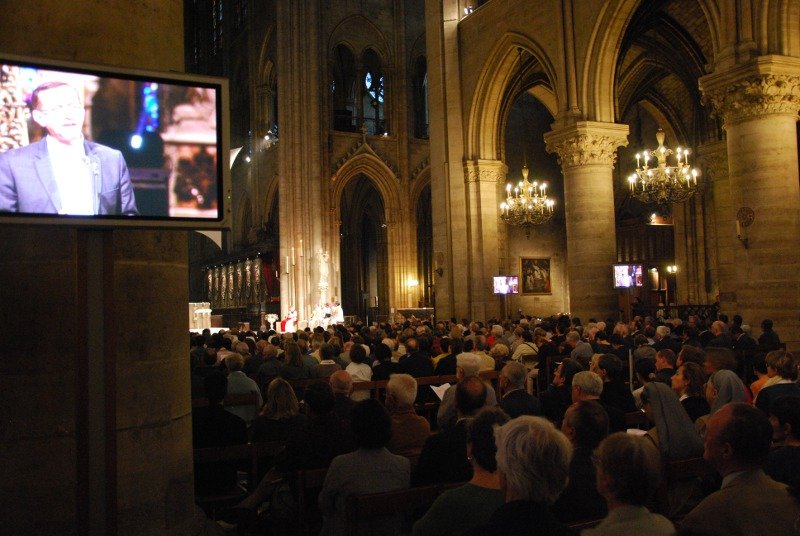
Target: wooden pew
{"points": [[362, 510]]}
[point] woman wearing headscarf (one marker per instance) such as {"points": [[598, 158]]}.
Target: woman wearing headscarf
{"points": [[674, 433], [676, 438], [722, 387]]}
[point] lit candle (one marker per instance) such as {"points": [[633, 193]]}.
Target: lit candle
{"points": [[638, 156], [287, 264], [292, 255]]}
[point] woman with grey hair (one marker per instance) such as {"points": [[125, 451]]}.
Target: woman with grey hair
{"points": [[533, 463]]}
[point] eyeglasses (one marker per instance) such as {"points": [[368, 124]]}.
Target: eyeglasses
{"points": [[61, 108]]}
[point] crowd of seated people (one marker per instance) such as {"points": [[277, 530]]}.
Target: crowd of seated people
{"points": [[526, 441]]}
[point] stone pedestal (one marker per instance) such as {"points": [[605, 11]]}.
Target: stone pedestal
{"points": [[759, 103], [587, 152]]}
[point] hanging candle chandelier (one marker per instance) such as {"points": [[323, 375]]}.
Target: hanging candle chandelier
{"points": [[655, 182], [527, 203]]}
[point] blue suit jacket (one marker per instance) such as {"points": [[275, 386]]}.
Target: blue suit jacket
{"points": [[27, 183]]}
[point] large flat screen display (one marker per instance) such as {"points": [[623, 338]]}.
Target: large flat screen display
{"points": [[93, 145], [505, 284], [627, 275]]}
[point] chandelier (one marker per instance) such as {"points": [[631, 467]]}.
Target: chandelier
{"points": [[526, 204], [662, 184]]}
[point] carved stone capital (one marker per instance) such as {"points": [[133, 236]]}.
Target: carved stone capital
{"points": [[712, 159], [485, 171], [587, 143], [768, 86]]}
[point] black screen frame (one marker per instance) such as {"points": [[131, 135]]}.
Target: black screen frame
{"points": [[218, 84]]}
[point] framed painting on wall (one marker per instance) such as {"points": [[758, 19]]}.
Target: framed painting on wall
{"points": [[534, 275]]}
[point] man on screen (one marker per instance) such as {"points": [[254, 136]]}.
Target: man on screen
{"points": [[64, 173]]}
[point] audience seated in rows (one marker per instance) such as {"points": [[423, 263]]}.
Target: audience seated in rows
{"points": [[471, 505]]}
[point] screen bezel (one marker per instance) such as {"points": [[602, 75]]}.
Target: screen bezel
{"points": [[222, 221]]}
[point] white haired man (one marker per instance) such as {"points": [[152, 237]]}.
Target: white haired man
{"points": [[467, 364], [409, 430], [533, 461], [587, 385]]}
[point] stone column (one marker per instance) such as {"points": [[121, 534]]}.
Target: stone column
{"points": [[587, 152], [482, 178], [758, 103], [303, 228], [712, 160]]}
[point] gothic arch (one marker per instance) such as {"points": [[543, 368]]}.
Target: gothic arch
{"points": [[597, 97], [501, 70], [359, 33], [374, 168], [422, 180], [400, 232]]}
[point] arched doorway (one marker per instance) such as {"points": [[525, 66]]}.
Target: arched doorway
{"points": [[363, 249]]}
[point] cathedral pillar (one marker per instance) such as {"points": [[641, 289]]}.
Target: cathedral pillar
{"points": [[482, 180], [587, 152], [720, 234], [758, 103], [303, 232]]}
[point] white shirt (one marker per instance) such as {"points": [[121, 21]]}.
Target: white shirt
{"points": [[73, 177]]}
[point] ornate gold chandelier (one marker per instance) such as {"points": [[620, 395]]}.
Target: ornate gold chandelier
{"points": [[526, 204], [662, 184]]}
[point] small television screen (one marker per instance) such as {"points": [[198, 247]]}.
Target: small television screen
{"points": [[627, 275], [506, 284], [95, 145]]}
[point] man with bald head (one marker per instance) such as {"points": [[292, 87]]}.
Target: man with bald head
{"points": [[722, 338], [444, 457], [737, 444], [467, 364], [342, 386], [515, 398]]}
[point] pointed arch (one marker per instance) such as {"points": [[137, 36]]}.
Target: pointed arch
{"points": [[373, 167], [501, 73], [597, 96]]}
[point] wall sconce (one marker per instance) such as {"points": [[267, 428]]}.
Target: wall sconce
{"points": [[744, 219], [673, 269]]}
